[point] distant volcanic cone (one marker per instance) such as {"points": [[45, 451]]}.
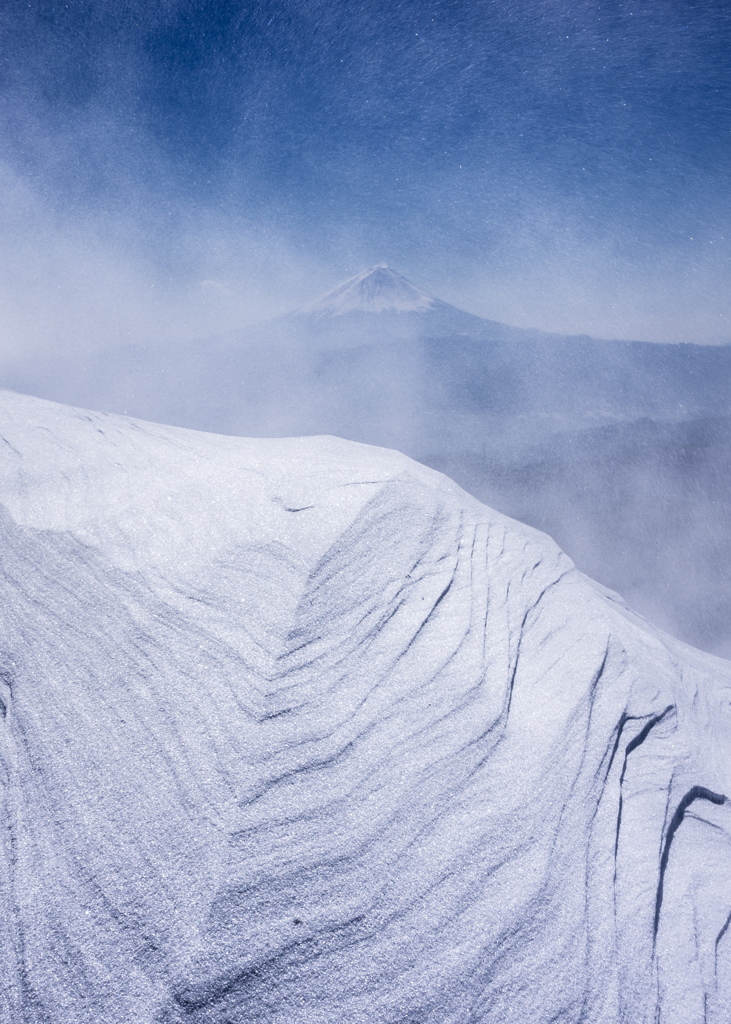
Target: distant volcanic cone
{"points": [[376, 290]]}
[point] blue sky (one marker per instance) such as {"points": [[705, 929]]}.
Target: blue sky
{"points": [[181, 167]]}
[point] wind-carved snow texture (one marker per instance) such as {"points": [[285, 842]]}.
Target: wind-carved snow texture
{"points": [[296, 731]]}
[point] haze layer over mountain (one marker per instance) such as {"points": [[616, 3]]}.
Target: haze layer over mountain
{"points": [[620, 449], [445, 361], [297, 731]]}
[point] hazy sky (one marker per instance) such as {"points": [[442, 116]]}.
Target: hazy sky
{"points": [[174, 167]]}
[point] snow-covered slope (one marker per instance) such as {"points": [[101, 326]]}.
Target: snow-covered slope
{"points": [[296, 731], [375, 290]]}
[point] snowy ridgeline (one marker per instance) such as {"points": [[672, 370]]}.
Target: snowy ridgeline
{"points": [[296, 731]]}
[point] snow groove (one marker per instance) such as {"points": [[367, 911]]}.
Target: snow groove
{"points": [[696, 793]]}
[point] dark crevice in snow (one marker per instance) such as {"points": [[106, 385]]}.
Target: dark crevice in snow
{"points": [[633, 744], [722, 932], [696, 793]]}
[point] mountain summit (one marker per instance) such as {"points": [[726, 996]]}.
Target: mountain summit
{"points": [[376, 290]]}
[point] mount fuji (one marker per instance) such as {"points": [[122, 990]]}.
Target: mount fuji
{"points": [[378, 305], [376, 290]]}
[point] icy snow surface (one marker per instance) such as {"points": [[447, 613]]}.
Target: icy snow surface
{"points": [[296, 731]]}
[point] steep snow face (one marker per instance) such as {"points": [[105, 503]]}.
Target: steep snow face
{"points": [[377, 290], [297, 731]]}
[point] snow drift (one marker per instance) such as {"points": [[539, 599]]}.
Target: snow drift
{"points": [[297, 731]]}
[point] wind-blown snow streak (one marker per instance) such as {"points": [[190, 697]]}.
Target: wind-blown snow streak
{"points": [[297, 731]]}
